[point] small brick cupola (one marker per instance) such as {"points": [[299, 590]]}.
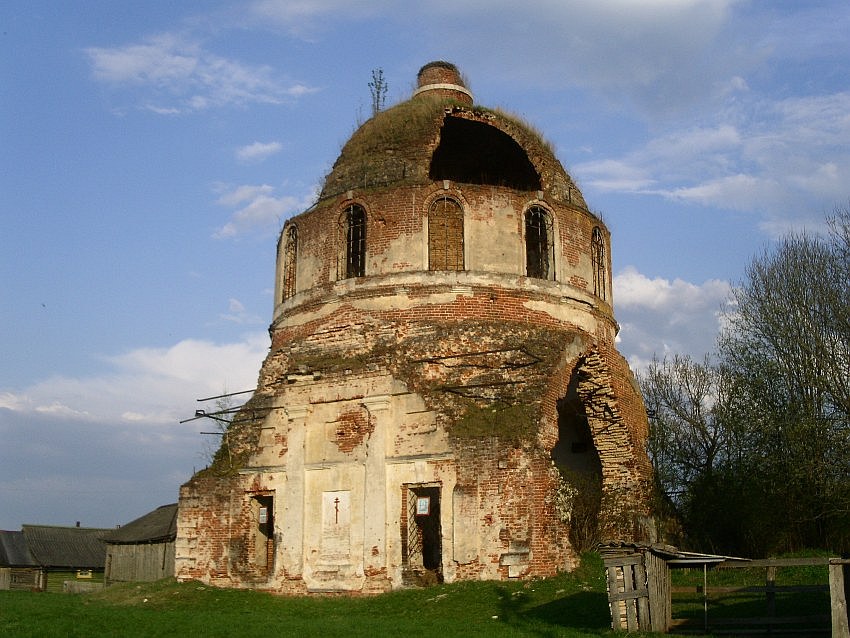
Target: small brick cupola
{"points": [[443, 79], [443, 383]]}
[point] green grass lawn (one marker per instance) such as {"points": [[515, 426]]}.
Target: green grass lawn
{"points": [[572, 604]]}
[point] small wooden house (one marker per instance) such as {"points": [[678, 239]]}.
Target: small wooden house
{"points": [[143, 549], [42, 557], [18, 569]]}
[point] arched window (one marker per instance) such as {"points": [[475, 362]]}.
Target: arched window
{"points": [[597, 252], [445, 235], [290, 253], [353, 230], [539, 247]]}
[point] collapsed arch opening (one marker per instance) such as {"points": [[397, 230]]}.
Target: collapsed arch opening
{"points": [[577, 459], [477, 153]]}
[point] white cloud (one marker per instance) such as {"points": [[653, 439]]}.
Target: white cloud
{"points": [[163, 61], [151, 385], [13, 401], [184, 77], [662, 316], [304, 18], [239, 315], [658, 55], [260, 210], [774, 159], [616, 176], [258, 151], [105, 449], [738, 192], [634, 289]]}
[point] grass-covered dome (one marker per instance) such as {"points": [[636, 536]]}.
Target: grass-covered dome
{"points": [[439, 134]]}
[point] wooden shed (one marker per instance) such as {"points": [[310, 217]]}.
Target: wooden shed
{"points": [[639, 582], [143, 549]]}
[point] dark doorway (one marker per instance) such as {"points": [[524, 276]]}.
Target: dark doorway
{"points": [[263, 514], [422, 543]]}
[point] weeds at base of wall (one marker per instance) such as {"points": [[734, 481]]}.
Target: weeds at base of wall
{"points": [[595, 514], [578, 502]]}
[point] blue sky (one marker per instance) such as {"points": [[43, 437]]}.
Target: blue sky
{"points": [[152, 151]]}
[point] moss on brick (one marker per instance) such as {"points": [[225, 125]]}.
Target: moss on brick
{"points": [[513, 423]]}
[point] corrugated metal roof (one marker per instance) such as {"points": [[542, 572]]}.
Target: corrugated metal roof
{"points": [[672, 555], [66, 547], [156, 526], [14, 551]]}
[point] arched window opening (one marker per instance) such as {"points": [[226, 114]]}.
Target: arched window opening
{"points": [[354, 231], [539, 247], [445, 235], [290, 253], [597, 250]]}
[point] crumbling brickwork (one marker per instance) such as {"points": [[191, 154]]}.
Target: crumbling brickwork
{"points": [[437, 416]]}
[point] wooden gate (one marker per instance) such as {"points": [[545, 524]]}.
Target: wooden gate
{"points": [[628, 596]]}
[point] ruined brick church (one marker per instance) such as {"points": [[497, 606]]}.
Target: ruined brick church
{"points": [[442, 394]]}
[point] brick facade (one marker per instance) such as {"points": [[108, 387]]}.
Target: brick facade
{"points": [[422, 423]]}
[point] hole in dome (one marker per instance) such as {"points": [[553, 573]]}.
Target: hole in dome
{"points": [[476, 153]]}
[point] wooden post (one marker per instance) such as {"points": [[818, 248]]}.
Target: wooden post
{"points": [[838, 600], [658, 586], [631, 602], [705, 596], [770, 592]]}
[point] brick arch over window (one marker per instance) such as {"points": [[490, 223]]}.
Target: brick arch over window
{"points": [[600, 275], [290, 257], [352, 227], [445, 235], [539, 244]]}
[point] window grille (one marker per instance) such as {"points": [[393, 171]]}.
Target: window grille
{"points": [[445, 235], [290, 252], [597, 248], [414, 533], [354, 222], [539, 248]]}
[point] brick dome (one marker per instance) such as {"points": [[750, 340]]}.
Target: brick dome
{"points": [[438, 134]]}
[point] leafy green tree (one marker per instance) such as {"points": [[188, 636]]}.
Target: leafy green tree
{"points": [[753, 451], [787, 344]]}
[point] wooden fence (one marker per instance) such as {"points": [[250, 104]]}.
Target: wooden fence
{"points": [[640, 595], [139, 562], [834, 622]]}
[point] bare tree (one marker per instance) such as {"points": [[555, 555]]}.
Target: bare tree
{"points": [[378, 90], [218, 422], [687, 402], [787, 342]]}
